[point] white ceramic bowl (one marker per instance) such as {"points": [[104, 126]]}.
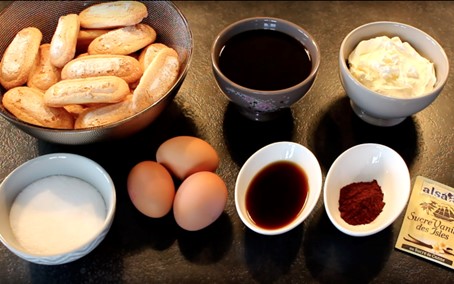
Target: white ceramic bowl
{"points": [[279, 151], [364, 163], [382, 110], [47, 165]]}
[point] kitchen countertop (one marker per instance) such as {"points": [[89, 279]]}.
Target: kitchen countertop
{"points": [[139, 249]]}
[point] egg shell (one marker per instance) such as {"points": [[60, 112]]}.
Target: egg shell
{"points": [[186, 155], [151, 189], [199, 201]]}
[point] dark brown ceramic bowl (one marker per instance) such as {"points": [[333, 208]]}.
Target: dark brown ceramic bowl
{"points": [[168, 21]]}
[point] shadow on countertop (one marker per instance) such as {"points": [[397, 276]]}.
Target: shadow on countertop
{"points": [[269, 258], [243, 137], [331, 255], [339, 129]]}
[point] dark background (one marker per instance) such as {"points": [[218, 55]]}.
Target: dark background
{"points": [[143, 250]]}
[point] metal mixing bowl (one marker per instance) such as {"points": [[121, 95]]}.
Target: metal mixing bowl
{"points": [[168, 21]]}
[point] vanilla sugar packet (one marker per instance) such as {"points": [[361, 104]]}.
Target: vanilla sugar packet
{"points": [[428, 226]]}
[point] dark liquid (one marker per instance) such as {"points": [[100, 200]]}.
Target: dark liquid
{"points": [[265, 60], [276, 195]]}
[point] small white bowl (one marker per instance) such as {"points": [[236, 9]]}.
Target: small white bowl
{"points": [[275, 152], [364, 163], [378, 109], [47, 165]]}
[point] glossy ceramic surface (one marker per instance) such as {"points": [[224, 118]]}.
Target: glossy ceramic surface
{"points": [[44, 166], [383, 110], [279, 151], [364, 163], [264, 105]]}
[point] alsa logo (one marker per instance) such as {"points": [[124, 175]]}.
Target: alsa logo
{"points": [[441, 194]]}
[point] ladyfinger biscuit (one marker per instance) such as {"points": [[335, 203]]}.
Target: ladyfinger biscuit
{"points": [[43, 74], [75, 110], [148, 54], [123, 66], [104, 89], [123, 41], [97, 116], [113, 14], [27, 104], [85, 37], [157, 79], [64, 40], [19, 57]]}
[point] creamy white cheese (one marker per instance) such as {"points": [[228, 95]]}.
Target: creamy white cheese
{"points": [[392, 67]]}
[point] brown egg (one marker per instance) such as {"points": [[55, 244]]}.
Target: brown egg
{"points": [[186, 155], [151, 189], [199, 201]]}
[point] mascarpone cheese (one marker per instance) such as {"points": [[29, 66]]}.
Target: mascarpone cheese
{"points": [[392, 67]]}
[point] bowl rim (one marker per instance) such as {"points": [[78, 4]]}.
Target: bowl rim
{"points": [[307, 208], [404, 197], [231, 26], [110, 207], [344, 68]]}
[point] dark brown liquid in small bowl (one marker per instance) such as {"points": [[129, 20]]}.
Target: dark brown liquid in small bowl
{"points": [[265, 60], [277, 194]]}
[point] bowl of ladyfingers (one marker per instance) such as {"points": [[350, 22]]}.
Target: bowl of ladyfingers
{"points": [[90, 71]]}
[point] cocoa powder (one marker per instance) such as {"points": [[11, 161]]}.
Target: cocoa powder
{"points": [[361, 202]]}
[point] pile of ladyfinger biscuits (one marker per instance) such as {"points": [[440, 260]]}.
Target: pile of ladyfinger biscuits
{"points": [[101, 66]]}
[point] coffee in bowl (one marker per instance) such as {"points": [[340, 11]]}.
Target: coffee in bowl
{"points": [[266, 60], [264, 65]]}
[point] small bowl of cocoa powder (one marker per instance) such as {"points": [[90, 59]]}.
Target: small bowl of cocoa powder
{"points": [[366, 189]]}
